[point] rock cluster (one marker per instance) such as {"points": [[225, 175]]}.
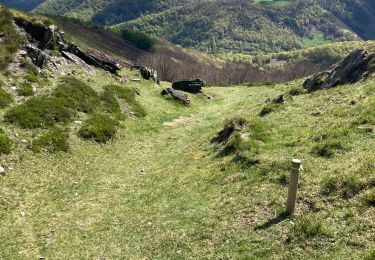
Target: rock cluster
{"points": [[147, 73], [43, 38], [349, 71]]}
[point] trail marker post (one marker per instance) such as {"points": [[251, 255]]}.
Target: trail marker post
{"points": [[293, 186]]}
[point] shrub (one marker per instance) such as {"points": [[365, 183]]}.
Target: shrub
{"points": [[310, 227], [5, 98], [77, 95], [5, 143], [39, 112], [55, 140], [100, 128], [139, 39], [25, 90]]}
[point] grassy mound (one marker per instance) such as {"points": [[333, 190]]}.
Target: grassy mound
{"points": [[39, 112], [55, 140], [77, 95], [100, 128]]}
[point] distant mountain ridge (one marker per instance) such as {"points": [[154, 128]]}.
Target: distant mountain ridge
{"points": [[224, 25]]}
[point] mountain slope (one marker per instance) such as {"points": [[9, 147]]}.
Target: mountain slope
{"points": [[25, 5], [229, 26], [241, 26], [160, 187]]}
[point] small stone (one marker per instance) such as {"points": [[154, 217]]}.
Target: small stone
{"points": [[2, 170], [78, 122], [23, 213], [13, 88], [24, 141]]}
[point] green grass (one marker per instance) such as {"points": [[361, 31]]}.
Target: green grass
{"points": [[161, 190], [5, 143], [25, 90], [5, 98], [55, 140], [99, 128]]}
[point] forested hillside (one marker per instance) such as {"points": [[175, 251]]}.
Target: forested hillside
{"points": [[217, 26], [243, 26], [25, 5]]}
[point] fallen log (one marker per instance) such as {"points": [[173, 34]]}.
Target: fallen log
{"points": [[176, 95]]}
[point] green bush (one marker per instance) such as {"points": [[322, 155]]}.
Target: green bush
{"points": [[139, 39], [55, 140], [5, 98], [25, 90], [100, 128], [77, 95], [5, 143], [39, 112]]}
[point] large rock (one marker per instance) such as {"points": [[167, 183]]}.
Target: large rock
{"points": [[37, 56], [47, 37], [191, 85], [147, 73], [94, 58], [349, 71]]}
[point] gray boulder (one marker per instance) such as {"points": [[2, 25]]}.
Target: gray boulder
{"points": [[349, 71]]}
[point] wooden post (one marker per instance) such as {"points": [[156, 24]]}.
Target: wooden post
{"points": [[293, 186]]}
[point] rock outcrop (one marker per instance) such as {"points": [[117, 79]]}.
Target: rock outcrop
{"points": [[176, 95], [43, 38], [37, 56], [147, 73], [191, 85], [349, 71]]}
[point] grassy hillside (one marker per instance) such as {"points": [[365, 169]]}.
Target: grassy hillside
{"points": [[160, 189], [105, 167]]}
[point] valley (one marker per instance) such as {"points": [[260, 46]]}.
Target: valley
{"points": [[95, 163]]}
